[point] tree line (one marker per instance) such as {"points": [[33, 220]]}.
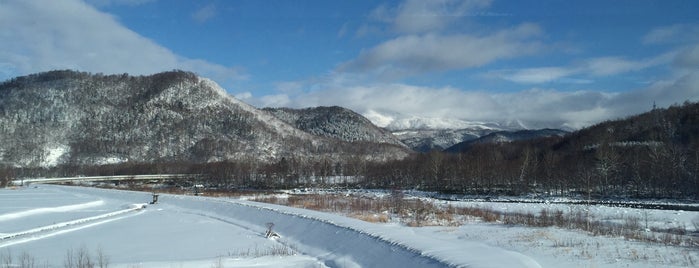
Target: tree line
{"points": [[652, 155]]}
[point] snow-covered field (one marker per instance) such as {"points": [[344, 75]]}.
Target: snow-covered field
{"points": [[50, 222]]}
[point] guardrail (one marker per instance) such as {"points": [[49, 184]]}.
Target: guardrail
{"points": [[20, 182]]}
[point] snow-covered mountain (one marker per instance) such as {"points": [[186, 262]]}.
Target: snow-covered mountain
{"points": [[335, 122], [425, 140], [506, 136], [427, 134], [67, 117], [398, 122]]}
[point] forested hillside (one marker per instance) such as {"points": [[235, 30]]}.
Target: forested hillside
{"points": [[655, 154], [80, 119], [335, 122]]}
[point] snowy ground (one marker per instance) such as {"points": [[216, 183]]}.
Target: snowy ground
{"points": [[187, 231]]}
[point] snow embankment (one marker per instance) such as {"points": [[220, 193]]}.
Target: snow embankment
{"points": [[338, 241], [37, 211], [63, 227]]}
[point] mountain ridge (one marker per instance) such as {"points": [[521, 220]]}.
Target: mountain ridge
{"points": [[69, 117], [506, 136], [334, 122]]}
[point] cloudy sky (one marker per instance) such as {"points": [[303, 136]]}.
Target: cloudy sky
{"points": [[542, 63]]}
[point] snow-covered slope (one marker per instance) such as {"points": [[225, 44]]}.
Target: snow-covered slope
{"points": [[261, 115], [335, 122], [195, 231], [188, 231]]}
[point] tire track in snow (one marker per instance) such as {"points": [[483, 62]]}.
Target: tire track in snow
{"points": [[61, 228], [36, 211]]}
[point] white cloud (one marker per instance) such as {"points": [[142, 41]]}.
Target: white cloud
{"points": [[533, 75], [417, 54], [606, 66], [590, 69], [343, 30], [688, 57], [418, 16], [45, 35], [425, 40], [610, 66], [431, 36], [366, 30], [119, 2], [244, 96], [393, 103], [672, 34], [217, 72], [674, 90], [205, 13], [422, 16], [277, 100], [379, 119]]}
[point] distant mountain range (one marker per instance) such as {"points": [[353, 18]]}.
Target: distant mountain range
{"points": [[76, 118], [506, 136], [425, 140], [454, 140]]}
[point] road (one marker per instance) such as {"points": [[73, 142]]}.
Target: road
{"points": [[26, 181]]}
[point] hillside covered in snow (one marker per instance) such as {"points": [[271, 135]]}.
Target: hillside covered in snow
{"points": [[335, 122], [68, 117]]}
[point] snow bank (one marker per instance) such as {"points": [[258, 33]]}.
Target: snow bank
{"points": [[333, 240], [60, 228], [36, 211]]}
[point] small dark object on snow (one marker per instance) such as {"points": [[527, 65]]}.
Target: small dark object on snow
{"points": [[269, 233], [155, 198]]}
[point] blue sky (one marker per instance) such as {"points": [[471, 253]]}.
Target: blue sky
{"points": [[544, 63]]}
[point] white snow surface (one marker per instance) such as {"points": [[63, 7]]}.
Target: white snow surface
{"points": [[52, 155], [110, 160], [193, 231]]}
